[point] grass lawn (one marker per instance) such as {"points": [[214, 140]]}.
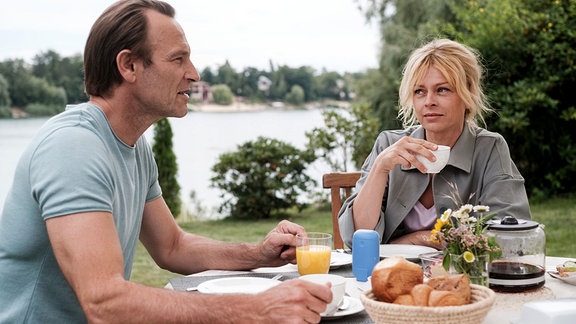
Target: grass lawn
{"points": [[558, 215]]}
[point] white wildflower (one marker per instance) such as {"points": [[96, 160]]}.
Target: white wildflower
{"points": [[481, 209]]}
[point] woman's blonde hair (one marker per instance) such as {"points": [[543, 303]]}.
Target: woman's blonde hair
{"points": [[460, 65]]}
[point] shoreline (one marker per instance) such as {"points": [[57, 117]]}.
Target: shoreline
{"points": [[235, 107], [244, 107]]}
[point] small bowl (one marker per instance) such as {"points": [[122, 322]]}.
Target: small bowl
{"points": [[432, 264]]}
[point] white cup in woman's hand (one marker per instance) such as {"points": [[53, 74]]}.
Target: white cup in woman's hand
{"points": [[442, 155]]}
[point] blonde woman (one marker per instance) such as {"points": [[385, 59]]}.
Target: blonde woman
{"points": [[441, 103]]}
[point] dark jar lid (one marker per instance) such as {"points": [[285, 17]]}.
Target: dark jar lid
{"points": [[510, 223]]}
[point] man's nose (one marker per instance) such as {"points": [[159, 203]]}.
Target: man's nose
{"points": [[192, 75]]}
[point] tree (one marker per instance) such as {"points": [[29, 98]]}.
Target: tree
{"points": [[529, 52], [262, 177], [228, 76], [330, 85], [349, 134], [249, 83], [167, 165], [26, 89], [402, 24], [62, 72], [208, 76], [4, 92], [5, 110]]}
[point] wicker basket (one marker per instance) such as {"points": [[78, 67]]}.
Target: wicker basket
{"points": [[475, 312]]}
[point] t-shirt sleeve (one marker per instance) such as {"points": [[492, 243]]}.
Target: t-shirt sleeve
{"points": [[72, 175]]}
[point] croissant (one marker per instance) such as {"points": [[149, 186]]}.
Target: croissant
{"points": [[459, 284], [420, 294], [445, 298], [405, 300]]}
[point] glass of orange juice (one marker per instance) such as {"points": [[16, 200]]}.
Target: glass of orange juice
{"points": [[313, 252]]}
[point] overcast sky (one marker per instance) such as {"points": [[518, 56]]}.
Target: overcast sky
{"points": [[331, 34]]}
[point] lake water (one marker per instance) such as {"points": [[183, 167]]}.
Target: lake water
{"points": [[199, 138]]}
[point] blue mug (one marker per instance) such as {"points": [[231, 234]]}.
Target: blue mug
{"points": [[365, 253]]}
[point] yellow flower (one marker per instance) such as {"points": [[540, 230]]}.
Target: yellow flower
{"points": [[438, 225], [469, 256], [435, 231]]}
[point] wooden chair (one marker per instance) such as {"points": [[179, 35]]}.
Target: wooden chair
{"points": [[337, 181]]}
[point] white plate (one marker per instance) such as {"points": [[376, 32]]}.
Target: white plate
{"points": [[355, 306], [408, 251], [237, 285], [338, 259], [569, 280]]}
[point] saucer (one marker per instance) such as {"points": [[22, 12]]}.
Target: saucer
{"points": [[569, 280], [355, 306]]}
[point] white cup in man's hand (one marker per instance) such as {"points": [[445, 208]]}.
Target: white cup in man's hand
{"points": [[442, 155], [338, 289]]}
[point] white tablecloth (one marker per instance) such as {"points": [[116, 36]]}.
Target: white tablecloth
{"points": [[506, 309]]}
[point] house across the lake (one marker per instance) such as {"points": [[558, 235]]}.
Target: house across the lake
{"points": [[201, 92]]}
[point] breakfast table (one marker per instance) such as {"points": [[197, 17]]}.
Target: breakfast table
{"points": [[506, 309]]}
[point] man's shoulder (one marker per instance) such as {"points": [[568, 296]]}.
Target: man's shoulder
{"points": [[76, 120]]}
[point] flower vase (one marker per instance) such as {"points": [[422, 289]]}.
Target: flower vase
{"points": [[476, 269]]}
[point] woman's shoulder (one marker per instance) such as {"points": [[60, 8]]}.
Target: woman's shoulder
{"points": [[486, 141], [483, 134], [394, 135]]}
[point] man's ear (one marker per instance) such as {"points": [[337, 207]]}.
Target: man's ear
{"points": [[126, 65]]}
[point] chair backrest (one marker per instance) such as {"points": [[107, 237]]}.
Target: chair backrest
{"points": [[338, 181]]}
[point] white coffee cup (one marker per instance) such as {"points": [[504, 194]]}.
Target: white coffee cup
{"points": [[442, 155], [338, 289]]}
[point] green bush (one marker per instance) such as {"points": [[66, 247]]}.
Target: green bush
{"points": [[41, 109], [295, 96], [222, 95], [262, 177]]}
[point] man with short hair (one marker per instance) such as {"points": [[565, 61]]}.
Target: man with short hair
{"points": [[86, 190]]}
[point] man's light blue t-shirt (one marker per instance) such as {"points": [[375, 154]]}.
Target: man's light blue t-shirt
{"points": [[75, 164]]}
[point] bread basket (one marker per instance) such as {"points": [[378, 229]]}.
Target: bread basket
{"points": [[482, 299]]}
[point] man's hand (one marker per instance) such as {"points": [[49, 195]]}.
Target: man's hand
{"points": [[279, 245]]}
